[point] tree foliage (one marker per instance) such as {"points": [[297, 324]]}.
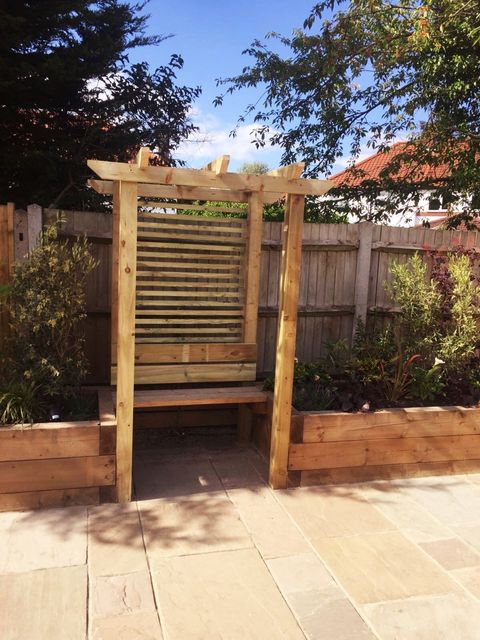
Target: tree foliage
{"points": [[366, 73], [68, 92]]}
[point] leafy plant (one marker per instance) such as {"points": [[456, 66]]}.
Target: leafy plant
{"points": [[418, 325], [47, 304], [426, 385], [21, 403]]}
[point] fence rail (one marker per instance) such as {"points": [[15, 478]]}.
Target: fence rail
{"points": [[344, 268]]}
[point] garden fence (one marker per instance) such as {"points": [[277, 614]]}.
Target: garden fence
{"points": [[344, 268]]}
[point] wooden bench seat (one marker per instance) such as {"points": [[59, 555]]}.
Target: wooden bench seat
{"points": [[157, 398]]}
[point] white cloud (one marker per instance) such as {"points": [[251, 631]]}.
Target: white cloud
{"points": [[213, 139]]}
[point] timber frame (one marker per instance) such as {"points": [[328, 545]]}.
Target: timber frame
{"points": [[135, 359]]}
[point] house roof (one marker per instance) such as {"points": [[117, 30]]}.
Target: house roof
{"points": [[370, 168]]}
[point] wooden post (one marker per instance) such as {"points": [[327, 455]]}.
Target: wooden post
{"points": [[114, 301], [253, 254], [286, 338], [34, 224], [362, 279], [126, 202]]}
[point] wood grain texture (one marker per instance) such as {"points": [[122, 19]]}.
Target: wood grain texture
{"points": [[33, 444], [27, 500], [68, 473], [197, 397], [127, 249], [192, 373], [331, 455], [194, 353], [286, 340]]}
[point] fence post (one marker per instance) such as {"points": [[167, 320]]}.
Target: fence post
{"points": [[34, 224], [362, 279]]}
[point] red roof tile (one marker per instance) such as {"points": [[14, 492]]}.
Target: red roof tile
{"points": [[372, 166]]}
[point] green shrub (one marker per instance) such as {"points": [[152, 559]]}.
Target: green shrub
{"points": [[20, 403], [47, 301]]}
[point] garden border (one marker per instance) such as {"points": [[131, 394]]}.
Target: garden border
{"points": [[331, 447], [56, 464]]}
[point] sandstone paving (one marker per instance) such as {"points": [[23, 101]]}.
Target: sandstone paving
{"points": [[470, 533], [115, 540], [451, 499], [263, 515], [453, 616], [321, 608], [332, 511], [415, 522], [41, 539], [196, 524], [157, 478], [120, 595], [210, 551], [228, 595], [452, 553], [469, 578], [143, 625], [237, 471], [382, 566], [47, 604]]}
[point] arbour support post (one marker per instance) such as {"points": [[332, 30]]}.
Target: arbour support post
{"points": [[125, 203], [286, 338]]}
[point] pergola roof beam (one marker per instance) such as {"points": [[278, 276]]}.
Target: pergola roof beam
{"points": [[192, 177], [219, 166]]}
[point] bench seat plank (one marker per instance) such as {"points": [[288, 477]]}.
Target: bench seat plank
{"points": [[195, 397]]}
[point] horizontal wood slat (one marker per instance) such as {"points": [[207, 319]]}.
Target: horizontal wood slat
{"points": [[59, 473], [27, 500], [394, 423], [32, 444], [185, 373], [329, 455], [198, 397], [194, 353]]}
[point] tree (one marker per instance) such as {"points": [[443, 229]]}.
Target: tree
{"points": [[366, 73], [68, 92], [254, 167]]}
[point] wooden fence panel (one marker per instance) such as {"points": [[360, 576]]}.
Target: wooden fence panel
{"points": [[342, 277]]}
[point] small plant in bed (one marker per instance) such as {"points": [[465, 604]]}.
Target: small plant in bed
{"points": [[427, 354], [44, 363]]}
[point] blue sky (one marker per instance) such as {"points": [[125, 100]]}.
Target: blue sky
{"points": [[211, 35]]}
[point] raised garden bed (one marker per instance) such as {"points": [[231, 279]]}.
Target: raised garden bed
{"points": [[335, 447], [59, 463]]}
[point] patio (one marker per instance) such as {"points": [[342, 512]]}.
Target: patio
{"points": [[217, 554]]}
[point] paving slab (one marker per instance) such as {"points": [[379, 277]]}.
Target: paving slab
{"points": [[445, 617], [220, 596], [451, 499], [332, 511], [328, 615], [115, 540], [34, 540], [382, 566], [237, 471], [120, 595], [469, 578], [452, 553], [264, 517], [157, 478], [469, 533], [197, 524], [47, 604], [142, 625], [415, 522]]}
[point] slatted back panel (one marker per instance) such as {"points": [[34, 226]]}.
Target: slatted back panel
{"points": [[190, 299]]}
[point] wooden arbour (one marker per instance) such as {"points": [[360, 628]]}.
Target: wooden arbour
{"points": [[185, 288]]}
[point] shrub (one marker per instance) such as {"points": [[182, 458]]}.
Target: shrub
{"points": [[47, 304]]}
